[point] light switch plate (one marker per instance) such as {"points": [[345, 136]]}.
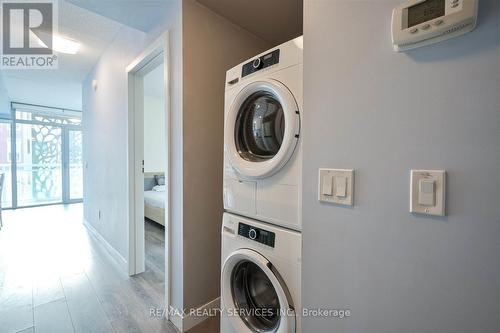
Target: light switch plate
{"points": [[329, 175], [420, 200]]}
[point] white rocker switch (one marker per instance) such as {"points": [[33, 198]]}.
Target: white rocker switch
{"points": [[327, 185], [426, 192], [336, 186], [341, 186]]}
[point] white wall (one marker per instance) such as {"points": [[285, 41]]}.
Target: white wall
{"points": [[105, 140], [154, 134], [4, 101], [173, 24], [105, 134], [198, 36], [40, 91], [154, 120], [383, 113]]}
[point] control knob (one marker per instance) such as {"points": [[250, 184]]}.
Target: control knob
{"points": [[252, 234], [257, 63]]}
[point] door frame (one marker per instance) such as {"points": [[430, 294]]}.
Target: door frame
{"points": [[135, 179]]}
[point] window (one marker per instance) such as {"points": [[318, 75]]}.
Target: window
{"points": [[47, 146]]}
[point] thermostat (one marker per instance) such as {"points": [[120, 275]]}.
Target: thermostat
{"points": [[419, 23]]}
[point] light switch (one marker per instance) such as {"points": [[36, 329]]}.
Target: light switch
{"points": [[340, 186], [327, 185], [336, 186], [428, 192]]}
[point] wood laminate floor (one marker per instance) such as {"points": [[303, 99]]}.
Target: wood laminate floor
{"points": [[54, 277]]}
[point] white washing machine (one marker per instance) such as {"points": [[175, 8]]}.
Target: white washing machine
{"points": [[260, 279], [262, 144]]}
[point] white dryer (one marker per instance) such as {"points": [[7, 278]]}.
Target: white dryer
{"points": [[262, 144], [260, 278]]}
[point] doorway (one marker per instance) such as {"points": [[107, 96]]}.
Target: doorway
{"points": [[148, 148]]}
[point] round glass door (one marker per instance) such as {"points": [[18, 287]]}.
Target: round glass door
{"points": [[255, 297], [260, 127]]}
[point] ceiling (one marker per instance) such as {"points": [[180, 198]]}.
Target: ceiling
{"points": [[62, 87], [275, 21], [95, 23], [142, 15]]}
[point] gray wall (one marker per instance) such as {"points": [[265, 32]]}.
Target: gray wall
{"points": [[212, 45], [383, 113]]}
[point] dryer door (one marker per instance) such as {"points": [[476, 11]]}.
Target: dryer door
{"points": [[255, 297], [262, 129]]}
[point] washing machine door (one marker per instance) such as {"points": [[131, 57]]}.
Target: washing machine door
{"points": [[255, 297], [262, 129]]}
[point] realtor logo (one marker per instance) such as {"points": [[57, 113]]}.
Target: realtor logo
{"points": [[27, 34]]}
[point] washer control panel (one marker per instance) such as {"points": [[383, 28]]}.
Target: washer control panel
{"points": [[264, 61], [256, 234]]}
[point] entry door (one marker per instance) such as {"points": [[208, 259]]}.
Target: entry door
{"points": [[38, 164]]}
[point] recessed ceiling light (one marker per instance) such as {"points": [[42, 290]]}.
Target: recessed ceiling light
{"points": [[63, 45]]}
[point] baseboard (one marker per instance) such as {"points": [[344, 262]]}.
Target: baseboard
{"points": [[115, 255], [189, 319]]}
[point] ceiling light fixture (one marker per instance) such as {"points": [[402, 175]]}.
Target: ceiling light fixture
{"points": [[63, 45]]}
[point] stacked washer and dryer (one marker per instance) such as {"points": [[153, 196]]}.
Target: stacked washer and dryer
{"points": [[261, 229]]}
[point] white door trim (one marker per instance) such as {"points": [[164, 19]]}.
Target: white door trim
{"points": [[159, 48]]}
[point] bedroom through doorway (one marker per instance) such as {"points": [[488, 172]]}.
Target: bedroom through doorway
{"points": [[149, 165], [154, 176]]}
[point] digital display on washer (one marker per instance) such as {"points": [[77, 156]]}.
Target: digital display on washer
{"points": [[425, 11], [259, 235], [264, 61]]}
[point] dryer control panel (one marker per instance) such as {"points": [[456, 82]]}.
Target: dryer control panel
{"points": [[261, 62], [256, 234]]}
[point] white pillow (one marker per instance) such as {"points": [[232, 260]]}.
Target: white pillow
{"points": [[159, 188]]}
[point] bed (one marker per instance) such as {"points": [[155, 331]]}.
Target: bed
{"points": [[154, 197]]}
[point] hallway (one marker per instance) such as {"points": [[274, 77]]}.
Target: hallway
{"points": [[54, 277]]}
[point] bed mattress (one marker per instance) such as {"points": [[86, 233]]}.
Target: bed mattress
{"points": [[155, 199]]}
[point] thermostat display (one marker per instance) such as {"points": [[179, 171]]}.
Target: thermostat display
{"points": [[425, 11], [422, 22]]}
